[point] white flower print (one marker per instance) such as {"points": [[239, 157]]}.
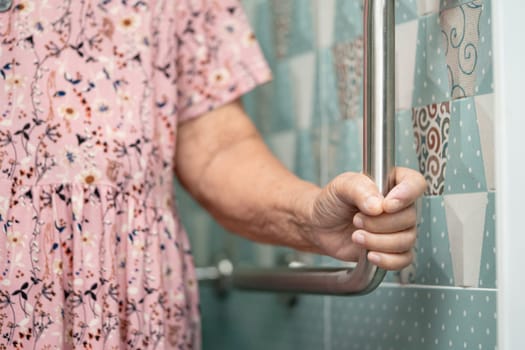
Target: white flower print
{"points": [[15, 240], [220, 76], [128, 23], [89, 176], [68, 112], [14, 81]]}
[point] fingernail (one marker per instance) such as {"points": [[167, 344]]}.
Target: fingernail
{"points": [[374, 258], [373, 203], [358, 221], [359, 237]]}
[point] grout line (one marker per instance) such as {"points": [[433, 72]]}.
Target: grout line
{"points": [[424, 286]]}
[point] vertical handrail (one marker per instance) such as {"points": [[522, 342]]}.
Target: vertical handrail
{"points": [[378, 164]]}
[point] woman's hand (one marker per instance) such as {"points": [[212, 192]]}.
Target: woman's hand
{"points": [[349, 214]]}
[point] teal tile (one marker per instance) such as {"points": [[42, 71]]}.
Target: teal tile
{"points": [[465, 171], [307, 162], [344, 152], [326, 108], [485, 76], [487, 274], [406, 10], [264, 31], [260, 321], [433, 259], [271, 106], [431, 78], [397, 318], [348, 21], [405, 143], [294, 21]]}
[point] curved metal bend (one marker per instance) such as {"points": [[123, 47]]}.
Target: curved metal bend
{"points": [[378, 163]]}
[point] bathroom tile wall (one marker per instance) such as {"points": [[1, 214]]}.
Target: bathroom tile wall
{"points": [[310, 116]]}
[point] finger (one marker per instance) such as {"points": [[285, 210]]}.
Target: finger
{"points": [[410, 185], [385, 223], [391, 261], [398, 242], [358, 190]]}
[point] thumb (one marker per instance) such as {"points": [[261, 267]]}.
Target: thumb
{"points": [[360, 191]]}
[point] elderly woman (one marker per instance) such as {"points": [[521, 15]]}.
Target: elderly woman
{"points": [[102, 102]]}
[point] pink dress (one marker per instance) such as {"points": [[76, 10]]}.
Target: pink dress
{"points": [[92, 253]]}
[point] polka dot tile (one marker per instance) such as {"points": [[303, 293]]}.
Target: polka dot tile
{"points": [[406, 10], [487, 273], [431, 77], [433, 260], [465, 169], [405, 143], [405, 319]]}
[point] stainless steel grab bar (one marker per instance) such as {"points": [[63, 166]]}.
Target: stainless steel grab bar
{"points": [[378, 163]]}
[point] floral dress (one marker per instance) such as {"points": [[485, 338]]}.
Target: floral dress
{"points": [[92, 252]]}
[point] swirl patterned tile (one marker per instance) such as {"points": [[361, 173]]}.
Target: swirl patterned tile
{"points": [[460, 28], [468, 40], [431, 130]]}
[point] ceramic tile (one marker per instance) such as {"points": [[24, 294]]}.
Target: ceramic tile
{"points": [[433, 260], [397, 318], [406, 39], [348, 61], [406, 146], [431, 78], [326, 102], [465, 222], [307, 162], [460, 27], [431, 130], [487, 274], [325, 12], [406, 10], [465, 167], [302, 72], [347, 20], [293, 23], [485, 116], [425, 7]]}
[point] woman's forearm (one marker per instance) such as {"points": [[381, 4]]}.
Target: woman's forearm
{"points": [[230, 171]]}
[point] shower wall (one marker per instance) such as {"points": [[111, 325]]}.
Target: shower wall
{"points": [[310, 116]]}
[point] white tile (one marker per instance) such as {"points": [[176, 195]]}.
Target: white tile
{"points": [[465, 221], [406, 41], [302, 70], [325, 14], [485, 114]]}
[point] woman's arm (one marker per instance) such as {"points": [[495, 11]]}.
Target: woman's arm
{"points": [[223, 162]]}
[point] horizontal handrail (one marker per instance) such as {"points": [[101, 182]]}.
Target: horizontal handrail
{"points": [[378, 162]]}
